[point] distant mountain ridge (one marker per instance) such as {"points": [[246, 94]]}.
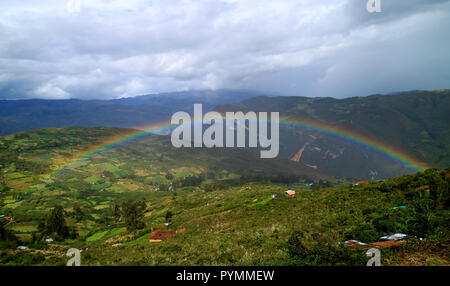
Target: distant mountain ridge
{"points": [[417, 123], [183, 99], [23, 115]]}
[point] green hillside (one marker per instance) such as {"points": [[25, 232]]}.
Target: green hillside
{"points": [[219, 203]]}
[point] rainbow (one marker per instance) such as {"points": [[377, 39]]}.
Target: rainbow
{"points": [[125, 137], [354, 138], [358, 139]]}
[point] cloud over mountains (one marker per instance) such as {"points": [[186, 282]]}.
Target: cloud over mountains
{"points": [[113, 49]]}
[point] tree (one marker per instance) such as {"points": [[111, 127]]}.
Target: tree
{"points": [[132, 214], [169, 215], [55, 224], [7, 238]]}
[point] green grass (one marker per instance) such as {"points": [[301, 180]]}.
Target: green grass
{"points": [[261, 202], [143, 240], [116, 231], [97, 236]]}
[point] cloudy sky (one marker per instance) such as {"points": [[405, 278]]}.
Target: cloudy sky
{"points": [[112, 48]]}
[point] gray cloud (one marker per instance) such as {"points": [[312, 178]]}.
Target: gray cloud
{"points": [[311, 47]]}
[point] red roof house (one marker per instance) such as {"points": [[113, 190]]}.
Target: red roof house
{"points": [[290, 193], [353, 244], [160, 235], [362, 182]]}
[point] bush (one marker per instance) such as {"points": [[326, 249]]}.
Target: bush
{"points": [[320, 252], [22, 259], [7, 238]]}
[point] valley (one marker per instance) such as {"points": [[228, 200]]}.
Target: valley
{"points": [[220, 204]]}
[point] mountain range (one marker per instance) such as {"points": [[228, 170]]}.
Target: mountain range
{"points": [[22, 115], [415, 123], [339, 134]]}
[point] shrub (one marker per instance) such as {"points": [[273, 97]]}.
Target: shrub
{"points": [[320, 252]]}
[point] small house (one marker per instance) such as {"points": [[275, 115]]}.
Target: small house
{"points": [[387, 241], [161, 235], [361, 183], [290, 193]]}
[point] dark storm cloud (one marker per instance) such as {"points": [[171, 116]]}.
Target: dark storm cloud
{"points": [[311, 47]]}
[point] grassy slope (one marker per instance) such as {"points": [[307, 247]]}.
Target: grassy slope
{"points": [[241, 226]]}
